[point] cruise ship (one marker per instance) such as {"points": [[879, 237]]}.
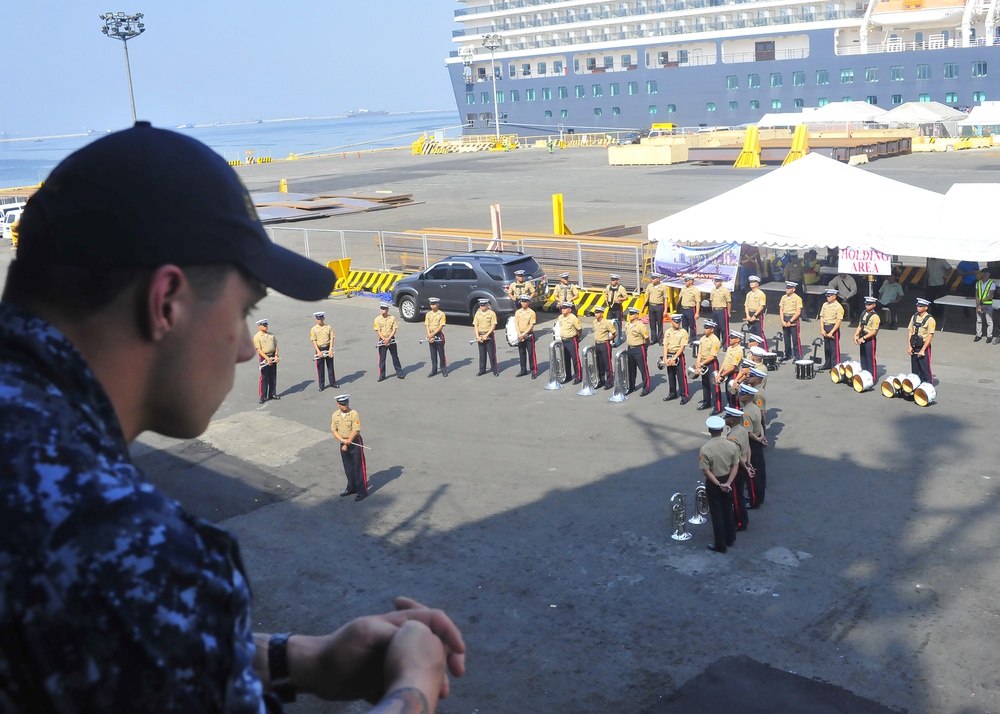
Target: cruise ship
{"points": [[547, 66]]}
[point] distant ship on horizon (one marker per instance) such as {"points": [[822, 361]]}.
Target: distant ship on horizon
{"points": [[354, 113]]}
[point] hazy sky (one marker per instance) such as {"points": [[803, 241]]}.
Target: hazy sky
{"points": [[202, 61]]}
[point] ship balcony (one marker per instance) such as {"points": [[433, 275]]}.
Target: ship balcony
{"points": [[934, 42], [738, 57]]}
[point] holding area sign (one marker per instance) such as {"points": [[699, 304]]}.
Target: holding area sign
{"points": [[864, 261]]}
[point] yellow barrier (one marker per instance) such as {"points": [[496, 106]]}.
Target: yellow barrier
{"points": [[589, 299], [362, 281]]}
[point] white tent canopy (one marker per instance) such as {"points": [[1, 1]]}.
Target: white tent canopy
{"points": [[921, 113], [841, 112], [986, 114], [776, 119], [819, 202]]}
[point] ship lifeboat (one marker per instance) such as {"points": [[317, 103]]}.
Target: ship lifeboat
{"points": [[917, 12]]}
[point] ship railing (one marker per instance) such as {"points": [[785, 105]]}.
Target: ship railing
{"points": [[738, 57], [896, 46]]}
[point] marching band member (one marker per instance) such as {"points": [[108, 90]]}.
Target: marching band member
{"points": [[570, 330], [266, 345], [346, 427], [525, 319], [321, 335], [721, 302], [434, 322], [754, 307], [520, 287], [790, 310], [755, 430], [864, 336], [731, 362], [565, 291], [614, 295], [708, 353], [830, 317], [385, 329], [637, 339], [918, 339], [604, 334], [484, 325], [690, 302], [719, 460], [675, 339], [656, 298], [743, 484]]}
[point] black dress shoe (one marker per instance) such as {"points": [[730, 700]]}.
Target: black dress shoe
{"points": [[671, 397], [704, 406], [521, 374], [335, 385], [497, 373], [741, 528], [380, 379], [715, 549], [609, 386], [481, 373], [644, 393], [715, 412], [347, 493], [977, 338], [731, 543], [275, 397], [400, 375], [577, 381], [321, 387], [534, 376], [444, 373], [685, 400], [361, 497], [261, 401], [431, 375]]}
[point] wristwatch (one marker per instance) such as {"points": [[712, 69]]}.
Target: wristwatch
{"points": [[277, 667]]}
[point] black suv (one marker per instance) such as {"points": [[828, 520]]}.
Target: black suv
{"points": [[461, 280]]}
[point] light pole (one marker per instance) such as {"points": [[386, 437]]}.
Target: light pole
{"points": [[493, 43], [120, 26]]}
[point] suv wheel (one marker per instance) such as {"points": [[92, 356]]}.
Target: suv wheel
{"points": [[408, 308]]}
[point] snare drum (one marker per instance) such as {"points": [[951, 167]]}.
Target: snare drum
{"points": [[805, 369], [771, 361]]}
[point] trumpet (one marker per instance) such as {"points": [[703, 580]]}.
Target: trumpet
{"points": [[433, 339]]}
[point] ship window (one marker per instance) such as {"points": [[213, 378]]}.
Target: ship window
{"points": [[499, 96], [847, 76], [924, 98], [872, 99], [525, 70], [671, 108], [923, 71], [798, 79], [470, 119], [564, 113], [651, 87], [799, 103], [732, 82], [598, 90], [616, 110], [776, 80], [896, 73], [919, 37], [822, 76], [542, 68], [871, 74], [897, 99], [591, 63], [682, 56], [753, 81], [576, 66], [484, 98], [653, 109], [598, 111], [562, 92], [951, 70], [615, 88], [822, 102], [470, 98], [546, 94], [609, 63], [754, 104], [951, 97], [557, 67], [512, 70], [633, 88], [775, 104], [548, 113], [979, 96], [710, 107], [581, 91], [846, 100], [733, 106], [979, 69], [515, 95], [626, 60], [529, 95]]}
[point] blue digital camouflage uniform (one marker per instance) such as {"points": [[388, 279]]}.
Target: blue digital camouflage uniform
{"points": [[112, 597]]}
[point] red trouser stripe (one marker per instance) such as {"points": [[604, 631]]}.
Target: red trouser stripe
{"points": [[684, 376], [364, 467], [798, 338]]}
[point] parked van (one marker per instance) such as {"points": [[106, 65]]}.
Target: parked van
{"points": [[10, 216]]}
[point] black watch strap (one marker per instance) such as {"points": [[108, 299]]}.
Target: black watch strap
{"points": [[277, 667]]}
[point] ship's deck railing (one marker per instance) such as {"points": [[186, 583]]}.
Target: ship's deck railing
{"points": [[690, 28], [737, 57], [632, 9], [935, 42]]}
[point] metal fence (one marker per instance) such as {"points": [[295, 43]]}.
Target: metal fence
{"points": [[588, 261]]}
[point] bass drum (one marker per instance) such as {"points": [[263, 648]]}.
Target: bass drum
{"points": [[512, 334], [620, 336]]}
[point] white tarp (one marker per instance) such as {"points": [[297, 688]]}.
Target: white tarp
{"points": [[921, 113], [844, 112], [819, 202], [986, 114], [776, 119]]}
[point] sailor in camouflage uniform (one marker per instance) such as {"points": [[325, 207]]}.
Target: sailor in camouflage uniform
{"points": [[112, 596]]}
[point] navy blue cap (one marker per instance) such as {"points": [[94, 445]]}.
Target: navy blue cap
{"points": [[145, 197]]}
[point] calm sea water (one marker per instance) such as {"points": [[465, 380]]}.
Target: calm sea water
{"points": [[26, 162]]}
